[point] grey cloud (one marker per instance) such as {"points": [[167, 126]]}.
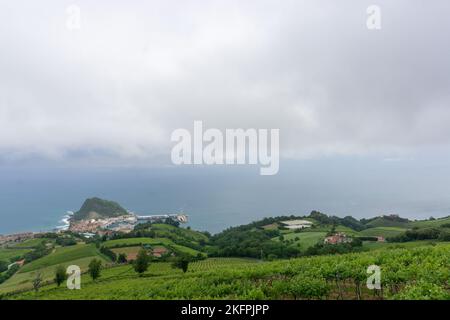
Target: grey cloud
{"points": [[138, 70]]}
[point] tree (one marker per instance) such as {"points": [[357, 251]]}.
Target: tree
{"points": [[142, 262], [3, 266], [122, 258], [60, 275], [37, 282], [181, 263], [95, 268]]}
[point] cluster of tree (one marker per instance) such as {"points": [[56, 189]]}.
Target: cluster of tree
{"points": [[340, 248], [65, 238], [392, 218], [8, 273], [439, 234], [367, 238], [3, 265], [144, 231], [181, 262], [241, 242], [39, 251], [109, 253], [347, 221], [65, 241]]}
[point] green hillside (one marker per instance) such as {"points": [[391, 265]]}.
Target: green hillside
{"points": [[96, 208], [301, 278], [131, 242], [263, 259], [79, 255], [62, 255], [431, 223], [389, 221], [382, 231]]}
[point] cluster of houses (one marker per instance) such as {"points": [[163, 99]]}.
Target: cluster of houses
{"points": [[17, 237], [341, 237], [337, 238]]}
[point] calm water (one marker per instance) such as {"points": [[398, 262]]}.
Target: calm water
{"points": [[218, 197]]}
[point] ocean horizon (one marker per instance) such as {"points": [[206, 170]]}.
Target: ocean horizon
{"points": [[218, 197]]}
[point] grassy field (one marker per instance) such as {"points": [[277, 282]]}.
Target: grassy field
{"points": [[22, 280], [430, 223], [62, 255], [150, 241], [79, 255], [7, 254], [382, 231], [306, 239], [31, 243]]}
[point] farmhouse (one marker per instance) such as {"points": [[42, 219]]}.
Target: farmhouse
{"points": [[297, 224]]}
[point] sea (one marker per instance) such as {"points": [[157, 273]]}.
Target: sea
{"points": [[42, 197]]}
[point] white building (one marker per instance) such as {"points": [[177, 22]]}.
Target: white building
{"points": [[297, 224]]}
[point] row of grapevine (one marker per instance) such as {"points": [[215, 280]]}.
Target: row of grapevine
{"points": [[419, 273]]}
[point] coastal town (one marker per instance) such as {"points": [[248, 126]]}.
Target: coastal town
{"points": [[103, 226]]}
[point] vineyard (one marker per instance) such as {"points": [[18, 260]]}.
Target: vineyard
{"points": [[413, 273]]}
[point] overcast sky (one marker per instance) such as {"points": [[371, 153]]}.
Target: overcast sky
{"points": [[117, 87]]}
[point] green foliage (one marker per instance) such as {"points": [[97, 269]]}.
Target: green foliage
{"points": [[95, 268], [60, 275], [181, 263], [66, 241], [257, 243], [388, 221], [107, 252], [3, 265], [308, 287], [122, 258], [95, 208], [9, 273], [62, 255], [419, 234], [423, 291], [37, 281], [12, 254], [142, 261], [120, 243]]}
